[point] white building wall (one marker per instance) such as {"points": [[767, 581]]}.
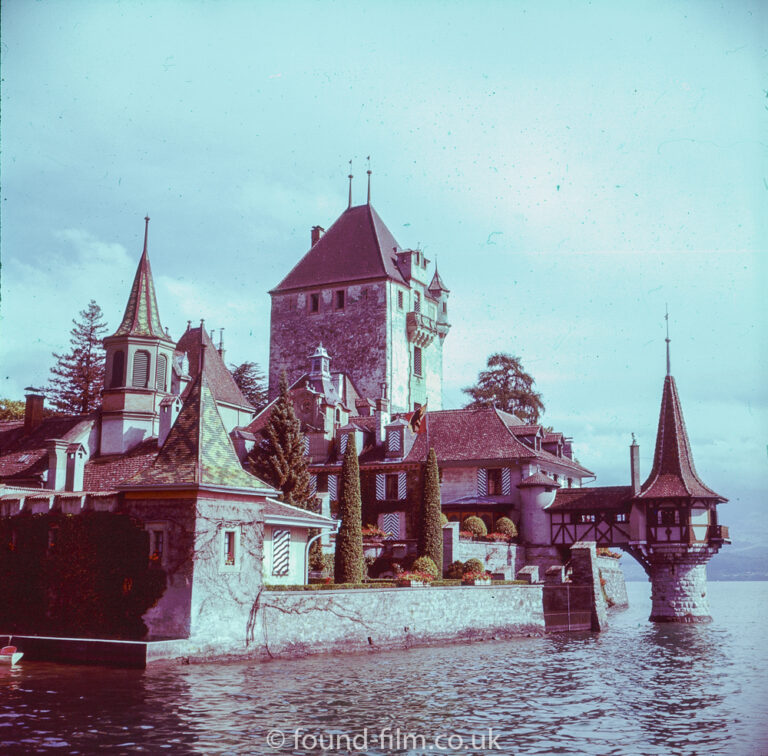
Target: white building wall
{"points": [[297, 553]]}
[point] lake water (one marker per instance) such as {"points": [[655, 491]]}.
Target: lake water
{"points": [[636, 689]]}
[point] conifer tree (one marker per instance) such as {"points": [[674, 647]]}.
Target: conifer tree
{"points": [[431, 528], [279, 459], [251, 381], [78, 376], [349, 565]]}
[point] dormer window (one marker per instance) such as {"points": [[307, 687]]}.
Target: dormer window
{"points": [[340, 299]]}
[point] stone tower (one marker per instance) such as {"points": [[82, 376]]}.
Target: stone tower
{"points": [[674, 525], [371, 304], [139, 360]]}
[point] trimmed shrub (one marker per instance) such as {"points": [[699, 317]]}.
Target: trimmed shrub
{"points": [[431, 529], [473, 566], [349, 566], [443, 520], [426, 565], [455, 570], [475, 526], [505, 526]]}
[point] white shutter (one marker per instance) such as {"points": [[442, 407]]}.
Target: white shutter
{"points": [[506, 481], [381, 487], [313, 484], [393, 440], [140, 369], [482, 481], [305, 443], [390, 523], [343, 443], [281, 552], [162, 369], [401, 489], [333, 487]]}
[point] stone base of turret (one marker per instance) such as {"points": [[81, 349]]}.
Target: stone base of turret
{"points": [[679, 588]]}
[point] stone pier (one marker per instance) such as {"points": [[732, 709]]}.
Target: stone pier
{"points": [[679, 587]]}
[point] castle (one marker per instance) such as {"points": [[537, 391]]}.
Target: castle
{"points": [[358, 325]]}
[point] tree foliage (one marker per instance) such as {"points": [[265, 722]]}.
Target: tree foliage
{"points": [[349, 564], [279, 459], [12, 409], [431, 529], [506, 385], [78, 376], [252, 382]]}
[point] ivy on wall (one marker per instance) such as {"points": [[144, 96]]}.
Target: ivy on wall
{"points": [[85, 575]]}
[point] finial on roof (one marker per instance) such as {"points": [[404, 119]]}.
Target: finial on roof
{"points": [[369, 178], [189, 324], [350, 177], [666, 317], [634, 440], [146, 231]]}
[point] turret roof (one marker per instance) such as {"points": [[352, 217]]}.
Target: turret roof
{"points": [[673, 473], [198, 451], [358, 246], [142, 317], [437, 283]]}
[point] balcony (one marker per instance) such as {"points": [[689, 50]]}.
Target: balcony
{"points": [[421, 329], [719, 533]]}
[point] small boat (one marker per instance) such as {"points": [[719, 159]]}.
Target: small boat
{"points": [[9, 655]]}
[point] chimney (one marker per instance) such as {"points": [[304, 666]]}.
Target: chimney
{"points": [[634, 466], [57, 464], [33, 412], [317, 232], [75, 467], [381, 413], [170, 407]]}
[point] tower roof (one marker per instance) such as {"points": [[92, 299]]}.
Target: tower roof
{"points": [[437, 283], [142, 317], [358, 246], [673, 473], [198, 450]]}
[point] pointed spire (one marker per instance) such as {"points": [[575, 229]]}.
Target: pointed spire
{"points": [[369, 178], [142, 317], [666, 317], [350, 177], [437, 284], [673, 473]]}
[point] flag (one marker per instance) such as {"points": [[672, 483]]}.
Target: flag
{"points": [[417, 419]]}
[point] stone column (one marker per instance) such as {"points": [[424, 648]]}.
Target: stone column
{"points": [[679, 589]]}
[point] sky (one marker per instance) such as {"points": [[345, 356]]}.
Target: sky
{"points": [[575, 168]]}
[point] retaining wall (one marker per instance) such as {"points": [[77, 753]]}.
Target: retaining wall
{"points": [[615, 585]]}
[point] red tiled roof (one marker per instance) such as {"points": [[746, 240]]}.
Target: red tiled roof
{"points": [[25, 455], [538, 479], [104, 473], [673, 473], [219, 378], [603, 497], [525, 430], [357, 246]]}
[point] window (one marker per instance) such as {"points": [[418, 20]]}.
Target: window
{"points": [[322, 482], [445, 307], [140, 377], [343, 443], [230, 550], [314, 302], [669, 517], [400, 300], [340, 300], [391, 487], [281, 552], [570, 482], [393, 441], [118, 369], [586, 518], [620, 517], [156, 545], [494, 482], [160, 378], [416, 301], [229, 547], [417, 360]]}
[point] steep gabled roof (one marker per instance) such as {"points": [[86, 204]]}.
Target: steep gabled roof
{"points": [[538, 480], [142, 317], [437, 284], [220, 380], [358, 246], [198, 451], [673, 473], [105, 473]]}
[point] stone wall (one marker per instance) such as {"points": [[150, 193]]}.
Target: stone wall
{"points": [[615, 585]]}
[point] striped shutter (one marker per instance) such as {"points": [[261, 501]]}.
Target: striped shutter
{"points": [[140, 369], [281, 547], [343, 443], [482, 481], [333, 487], [393, 440], [162, 369], [401, 490], [381, 487], [506, 481], [313, 484], [305, 443], [390, 523]]}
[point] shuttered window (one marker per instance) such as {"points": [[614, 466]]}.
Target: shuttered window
{"points": [[140, 369], [417, 360], [162, 369]]}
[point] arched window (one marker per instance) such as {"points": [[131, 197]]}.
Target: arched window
{"points": [[162, 369], [118, 369], [140, 377]]}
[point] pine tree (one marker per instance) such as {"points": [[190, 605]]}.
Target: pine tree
{"points": [[431, 528], [279, 459], [349, 565], [252, 382], [506, 385], [78, 376]]}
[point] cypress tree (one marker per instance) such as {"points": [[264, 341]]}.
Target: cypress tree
{"points": [[349, 565], [279, 459], [431, 530], [78, 376]]}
